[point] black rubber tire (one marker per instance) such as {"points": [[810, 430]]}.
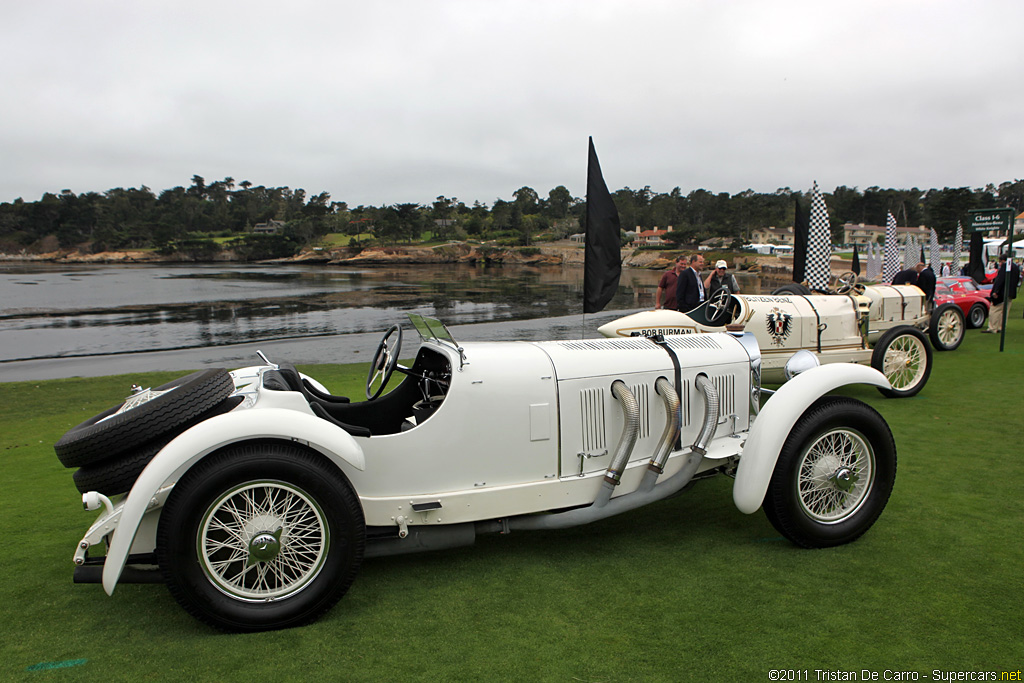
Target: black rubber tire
{"points": [[99, 438], [976, 316], [204, 491], [947, 327], [791, 288], [117, 475], [918, 351], [797, 485]]}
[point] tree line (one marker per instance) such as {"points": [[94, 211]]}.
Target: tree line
{"points": [[193, 217]]}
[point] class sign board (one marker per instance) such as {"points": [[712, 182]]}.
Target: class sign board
{"points": [[987, 220]]}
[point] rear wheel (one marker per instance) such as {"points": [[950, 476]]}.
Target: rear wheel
{"points": [[947, 327], [834, 474], [905, 358], [260, 536], [976, 316]]}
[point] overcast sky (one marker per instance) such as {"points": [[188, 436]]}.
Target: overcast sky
{"points": [[401, 101]]}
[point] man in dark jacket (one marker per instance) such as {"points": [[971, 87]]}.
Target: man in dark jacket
{"points": [[908, 276], [995, 315], [926, 283], [689, 287]]}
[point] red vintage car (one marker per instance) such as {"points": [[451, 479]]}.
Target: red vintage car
{"points": [[965, 293]]}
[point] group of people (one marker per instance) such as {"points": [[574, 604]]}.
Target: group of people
{"points": [[683, 288], [922, 276]]}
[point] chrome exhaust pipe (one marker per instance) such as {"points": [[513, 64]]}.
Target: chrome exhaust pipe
{"points": [[672, 421], [631, 501], [711, 410], [627, 441], [668, 438]]}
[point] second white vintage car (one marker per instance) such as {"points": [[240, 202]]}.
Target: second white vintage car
{"points": [[879, 325], [256, 494]]}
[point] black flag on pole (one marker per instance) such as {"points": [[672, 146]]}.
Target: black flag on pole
{"points": [[603, 254], [975, 266], [856, 261], [801, 231]]}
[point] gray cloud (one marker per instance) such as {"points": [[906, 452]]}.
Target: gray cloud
{"points": [[406, 100]]}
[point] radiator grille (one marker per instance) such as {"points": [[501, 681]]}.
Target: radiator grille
{"points": [[642, 392], [725, 385], [592, 420]]}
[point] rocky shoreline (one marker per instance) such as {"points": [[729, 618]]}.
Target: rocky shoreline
{"points": [[551, 254]]}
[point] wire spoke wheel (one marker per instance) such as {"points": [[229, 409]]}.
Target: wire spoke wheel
{"points": [[261, 535], [835, 474], [263, 541]]}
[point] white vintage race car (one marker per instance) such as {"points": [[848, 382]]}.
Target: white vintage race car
{"points": [[254, 495], [877, 325]]}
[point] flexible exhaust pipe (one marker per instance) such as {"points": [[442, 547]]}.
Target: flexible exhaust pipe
{"points": [[638, 498], [672, 422], [627, 440], [704, 436], [711, 410]]}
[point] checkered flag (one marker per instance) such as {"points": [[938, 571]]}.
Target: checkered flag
{"points": [[892, 250], [935, 260], [819, 243], [909, 255], [958, 247], [875, 262]]}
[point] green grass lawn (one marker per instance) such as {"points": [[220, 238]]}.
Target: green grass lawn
{"points": [[686, 589]]}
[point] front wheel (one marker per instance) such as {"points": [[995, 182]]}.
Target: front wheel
{"points": [[260, 536], [947, 327], [834, 474], [905, 358]]}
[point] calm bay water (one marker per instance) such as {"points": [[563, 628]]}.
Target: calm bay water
{"points": [[88, 320]]}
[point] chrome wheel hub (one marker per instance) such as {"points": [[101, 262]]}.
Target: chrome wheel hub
{"points": [[264, 546], [845, 479]]}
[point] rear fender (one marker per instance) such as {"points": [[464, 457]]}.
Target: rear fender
{"points": [[768, 434], [193, 445]]}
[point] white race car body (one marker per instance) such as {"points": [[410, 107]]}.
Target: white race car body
{"points": [[837, 328], [480, 437]]}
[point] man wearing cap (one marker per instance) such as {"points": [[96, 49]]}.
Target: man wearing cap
{"points": [[719, 278]]}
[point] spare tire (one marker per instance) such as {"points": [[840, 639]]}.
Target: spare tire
{"points": [[791, 288], [126, 427], [118, 474]]}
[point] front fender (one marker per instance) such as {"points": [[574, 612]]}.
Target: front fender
{"points": [[776, 419], [196, 443]]}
